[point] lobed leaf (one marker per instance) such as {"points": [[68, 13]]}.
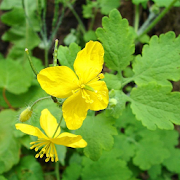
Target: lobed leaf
{"points": [[156, 106], [9, 145], [98, 131], [13, 77], [160, 61], [66, 56], [117, 41]]}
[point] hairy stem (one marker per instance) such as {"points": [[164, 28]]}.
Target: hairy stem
{"points": [[30, 62], [136, 20], [77, 17], [161, 15], [57, 171]]}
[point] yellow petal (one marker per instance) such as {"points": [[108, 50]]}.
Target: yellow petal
{"points": [[31, 130], [49, 123], [70, 140], [58, 81], [74, 111], [100, 97], [89, 61]]}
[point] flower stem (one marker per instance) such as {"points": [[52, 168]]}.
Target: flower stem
{"points": [[77, 17], [55, 53], [58, 126], [136, 20], [57, 171], [161, 15], [40, 99], [31, 63]]}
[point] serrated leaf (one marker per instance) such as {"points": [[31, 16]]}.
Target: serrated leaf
{"points": [[160, 60], [98, 133], [117, 103], [12, 77], [157, 153], [126, 147], [173, 163], [154, 171], [9, 145], [106, 6], [117, 41], [66, 56], [27, 169], [106, 168], [156, 106]]}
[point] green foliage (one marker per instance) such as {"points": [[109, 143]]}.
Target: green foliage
{"points": [[66, 56], [9, 145], [117, 41], [97, 131], [159, 61], [27, 169], [121, 143], [155, 106]]}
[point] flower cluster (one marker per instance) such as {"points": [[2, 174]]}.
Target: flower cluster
{"points": [[83, 90]]}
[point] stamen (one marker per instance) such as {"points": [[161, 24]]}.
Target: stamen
{"points": [[47, 159], [86, 96]]}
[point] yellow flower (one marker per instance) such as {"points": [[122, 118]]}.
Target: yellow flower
{"points": [[82, 89], [46, 142]]}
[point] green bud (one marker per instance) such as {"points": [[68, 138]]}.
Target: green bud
{"points": [[26, 114], [112, 102], [155, 9], [112, 93]]}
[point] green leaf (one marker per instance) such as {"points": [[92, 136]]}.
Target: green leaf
{"points": [[9, 145], [173, 163], [143, 2], [107, 168], [154, 171], [112, 81], [2, 178], [9, 4], [106, 6], [66, 56], [117, 103], [160, 60], [156, 106], [72, 172], [97, 131], [90, 35], [117, 41], [34, 93], [165, 3], [127, 148], [14, 17], [156, 152], [27, 169], [13, 77], [61, 151]]}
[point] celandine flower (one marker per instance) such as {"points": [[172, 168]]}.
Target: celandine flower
{"points": [[47, 142], [83, 90]]}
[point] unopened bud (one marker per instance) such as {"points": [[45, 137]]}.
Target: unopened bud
{"points": [[112, 102], [25, 115]]}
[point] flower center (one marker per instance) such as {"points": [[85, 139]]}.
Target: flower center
{"points": [[47, 148], [84, 87]]}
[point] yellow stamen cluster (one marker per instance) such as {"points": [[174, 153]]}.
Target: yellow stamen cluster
{"points": [[47, 148]]}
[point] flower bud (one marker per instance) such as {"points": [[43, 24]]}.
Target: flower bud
{"points": [[26, 114], [112, 102]]}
